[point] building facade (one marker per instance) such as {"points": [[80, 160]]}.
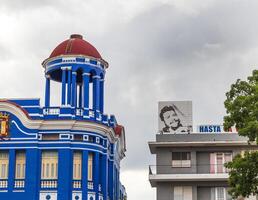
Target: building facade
{"points": [[191, 166], [70, 151]]}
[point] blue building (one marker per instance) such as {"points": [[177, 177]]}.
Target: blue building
{"points": [[70, 151]]}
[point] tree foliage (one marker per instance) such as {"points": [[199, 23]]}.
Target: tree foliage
{"points": [[242, 107], [242, 112], [243, 178]]}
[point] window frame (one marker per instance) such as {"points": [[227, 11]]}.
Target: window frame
{"points": [[47, 161], [4, 164], [20, 165], [181, 163]]}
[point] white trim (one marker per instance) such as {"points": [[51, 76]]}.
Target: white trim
{"points": [[189, 177], [30, 106], [65, 115], [18, 190], [77, 132], [50, 142], [67, 136], [85, 63], [85, 137], [35, 134], [97, 140], [74, 73], [74, 148], [35, 115], [96, 76]]}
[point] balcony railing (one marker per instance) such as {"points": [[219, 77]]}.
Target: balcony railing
{"points": [[3, 183], [90, 185], [51, 111], [49, 184], [19, 183], [187, 168], [77, 184]]}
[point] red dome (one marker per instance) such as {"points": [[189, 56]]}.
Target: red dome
{"points": [[75, 45]]}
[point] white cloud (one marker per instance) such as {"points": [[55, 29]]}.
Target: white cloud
{"points": [[137, 184]]}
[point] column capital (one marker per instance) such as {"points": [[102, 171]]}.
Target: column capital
{"points": [[96, 76], [74, 73], [86, 74], [66, 68], [47, 76]]}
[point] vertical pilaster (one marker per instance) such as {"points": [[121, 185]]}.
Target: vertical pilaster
{"points": [[86, 81], [47, 91], [64, 167], [74, 89], [96, 91], [104, 176], [11, 170], [33, 172], [80, 96], [111, 179], [101, 106], [63, 85], [85, 156], [69, 86], [96, 172]]}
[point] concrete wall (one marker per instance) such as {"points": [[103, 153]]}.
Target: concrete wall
{"points": [[164, 161], [203, 193], [199, 137]]}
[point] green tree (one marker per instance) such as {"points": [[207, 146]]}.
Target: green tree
{"points": [[242, 112]]}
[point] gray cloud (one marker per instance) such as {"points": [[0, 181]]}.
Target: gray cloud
{"points": [[165, 54]]}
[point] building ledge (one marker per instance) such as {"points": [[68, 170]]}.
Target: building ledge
{"points": [[195, 143], [155, 178]]}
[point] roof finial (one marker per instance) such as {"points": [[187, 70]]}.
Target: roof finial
{"points": [[76, 36]]}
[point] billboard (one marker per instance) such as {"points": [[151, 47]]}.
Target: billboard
{"points": [[175, 117], [208, 128]]}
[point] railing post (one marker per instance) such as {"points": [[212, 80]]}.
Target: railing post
{"points": [[85, 156], [74, 90], [69, 70], [63, 98], [86, 80], [47, 91], [96, 92]]}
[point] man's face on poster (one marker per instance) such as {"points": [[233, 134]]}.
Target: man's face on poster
{"points": [[171, 119]]}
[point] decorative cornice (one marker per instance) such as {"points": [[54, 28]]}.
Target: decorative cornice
{"points": [[41, 125]]}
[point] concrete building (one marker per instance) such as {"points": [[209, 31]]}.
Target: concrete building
{"points": [[69, 151], [191, 166]]}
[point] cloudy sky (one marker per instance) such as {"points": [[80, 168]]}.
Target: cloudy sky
{"points": [[157, 50]]}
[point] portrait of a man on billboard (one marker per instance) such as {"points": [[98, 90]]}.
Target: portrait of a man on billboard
{"points": [[175, 117]]}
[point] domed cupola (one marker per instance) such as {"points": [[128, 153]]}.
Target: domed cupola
{"points": [[75, 46], [79, 67]]}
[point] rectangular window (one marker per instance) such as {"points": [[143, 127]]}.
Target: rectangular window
{"points": [[20, 160], [4, 164], [218, 160], [90, 167], [183, 193], [220, 193], [77, 165], [49, 165], [181, 159]]}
